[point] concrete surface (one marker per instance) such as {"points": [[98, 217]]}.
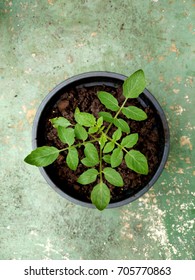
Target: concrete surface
{"points": [[45, 42]]}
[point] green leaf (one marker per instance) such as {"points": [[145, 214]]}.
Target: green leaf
{"points": [[102, 140], [84, 119], [134, 113], [91, 153], [88, 176], [88, 162], [113, 177], [100, 196], [116, 157], [134, 85], [66, 135], [106, 116], [80, 132], [60, 122], [101, 129], [130, 140], [72, 158], [123, 125], [93, 129], [100, 122], [42, 156], [117, 134], [109, 147], [109, 101], [136, 161], [77, 111], [107, 158]]}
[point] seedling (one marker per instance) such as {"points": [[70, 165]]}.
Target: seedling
{"points": [[111, 149]]}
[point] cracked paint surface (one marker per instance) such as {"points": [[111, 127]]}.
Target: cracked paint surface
{"points": [[45, 42]]}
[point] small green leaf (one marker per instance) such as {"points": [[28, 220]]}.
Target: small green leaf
{"points": [[136, 161], [87, 162], [88, 176], [106, 116], [134, 85], [80, 132], [100, 122], [72, 158], [84, 119], [100, 196], [66, 135], [130, 140], [42, 156], [123, 125], [134, 113], [117, 134], [93, 129], [91, 153], [116, 157], [113, 177], [102, 140], [101, 129], [60, 122], [109, 147], [77, 111], [107, 158], [109, 101]]}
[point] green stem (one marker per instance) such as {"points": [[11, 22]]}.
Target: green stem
{"points": [[116, 115], [78, 145], [101, 165], [111, 140]]}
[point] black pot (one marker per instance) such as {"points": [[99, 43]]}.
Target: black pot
{"points": [[93, 79]]}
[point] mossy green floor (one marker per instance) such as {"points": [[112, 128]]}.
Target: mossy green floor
{"points": [[45, 42]]}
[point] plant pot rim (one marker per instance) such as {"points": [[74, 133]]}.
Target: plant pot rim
{"points": [[85, 78]]}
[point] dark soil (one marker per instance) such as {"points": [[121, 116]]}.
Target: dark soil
{"points": [[149, 143]]}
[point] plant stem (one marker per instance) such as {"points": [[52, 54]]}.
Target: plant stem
{"points": [[116, 115], [78, 145], [100, 165], [110, 139]]}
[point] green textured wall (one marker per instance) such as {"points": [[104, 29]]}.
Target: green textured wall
{"points": [[45, 42]]}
